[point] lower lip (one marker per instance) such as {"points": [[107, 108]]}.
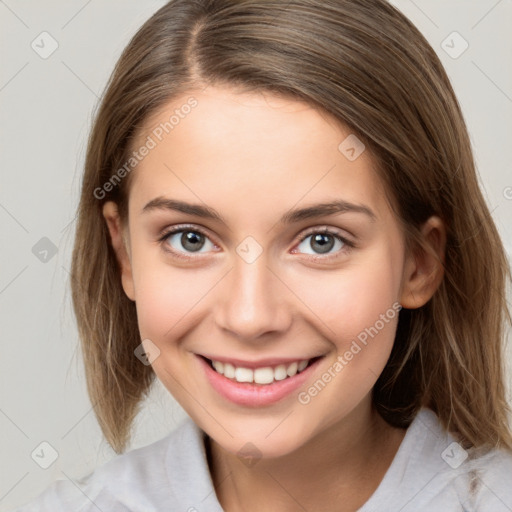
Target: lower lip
{"points": [[255, 395]]}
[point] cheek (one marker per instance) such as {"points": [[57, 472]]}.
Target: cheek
{"points": [[164, 294], [363, 311], [349, 300], [365, 325], [165, 300], [168, 302]]}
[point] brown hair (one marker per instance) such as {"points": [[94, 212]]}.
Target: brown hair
{"points": [[363, 62]]}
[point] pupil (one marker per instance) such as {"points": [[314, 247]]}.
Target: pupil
{"points": [[190, 240], [325, 246]]}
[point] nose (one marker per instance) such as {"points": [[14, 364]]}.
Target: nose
{"points": [[253, 302]]}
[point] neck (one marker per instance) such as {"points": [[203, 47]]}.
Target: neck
{"points": [[338, 469]]}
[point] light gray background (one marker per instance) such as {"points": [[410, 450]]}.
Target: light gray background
{"points": [[46, 107]]}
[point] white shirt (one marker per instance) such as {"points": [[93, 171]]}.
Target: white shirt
{"points": [[430, 472]]}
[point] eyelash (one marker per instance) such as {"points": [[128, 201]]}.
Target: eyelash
{"points": [[348, 245]]}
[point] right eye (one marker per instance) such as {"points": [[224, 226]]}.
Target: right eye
{"points": [[181, 240]]}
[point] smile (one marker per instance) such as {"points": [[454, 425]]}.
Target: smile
{"points": [[264, 375], [257, 384]]}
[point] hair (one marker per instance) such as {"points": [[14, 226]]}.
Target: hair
{"points": [[366, 64]]}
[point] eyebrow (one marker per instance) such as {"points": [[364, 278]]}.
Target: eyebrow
{"points": [[290, 217]]}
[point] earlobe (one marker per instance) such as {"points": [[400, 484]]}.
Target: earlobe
{"points": [[119, 244], [424, 268]]}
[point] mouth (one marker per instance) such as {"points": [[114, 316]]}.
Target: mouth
{"points": [[262, 375], [257, 384]]}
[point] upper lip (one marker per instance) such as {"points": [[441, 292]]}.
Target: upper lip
{"points": [[260, 363]]}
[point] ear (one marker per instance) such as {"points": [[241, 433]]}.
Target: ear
{"points": [[120, 245], [424, 267]]}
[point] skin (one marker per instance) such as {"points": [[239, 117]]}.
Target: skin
{"points": [[254, 157]]}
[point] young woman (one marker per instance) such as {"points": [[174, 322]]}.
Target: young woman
{"points": [[336, 334]]}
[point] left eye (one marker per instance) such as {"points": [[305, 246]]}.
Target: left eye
{"points": [[323, 241], [190, 240]]}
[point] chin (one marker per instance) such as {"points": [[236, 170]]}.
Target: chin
{"points": [[251, 439]]}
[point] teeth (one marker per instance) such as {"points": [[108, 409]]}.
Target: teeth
{"points": [[244, 375], [218, 366], [280, 372], [265, 375], [229, 371], [292, 369]]}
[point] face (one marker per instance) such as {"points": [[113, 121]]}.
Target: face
{"points": [[304, 303]]}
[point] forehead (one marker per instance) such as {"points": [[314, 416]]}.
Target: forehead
{"points": [[251, 154]]}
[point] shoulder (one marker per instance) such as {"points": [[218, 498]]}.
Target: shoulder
{"points": [[144, 479], [432, 470], [487, 479], [480, 479]]}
